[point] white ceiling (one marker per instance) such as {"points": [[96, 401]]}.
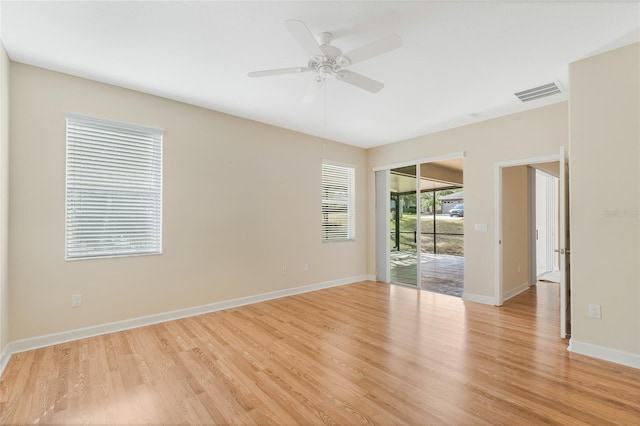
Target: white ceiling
{"points": [[460, 61]]}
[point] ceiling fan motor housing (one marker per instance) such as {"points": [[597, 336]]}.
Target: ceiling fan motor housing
{"points": [[332, 60]]}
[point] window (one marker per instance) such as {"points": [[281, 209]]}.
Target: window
{"points": [[338, 202], [114, 189]]}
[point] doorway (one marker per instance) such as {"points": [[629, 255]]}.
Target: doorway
{"points": [[515, 267], [426, 226]]}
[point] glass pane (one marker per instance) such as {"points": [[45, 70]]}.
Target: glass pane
{"points": [[426, 243], [404, 207], [450, 244], [427, 212], [450, 223]]}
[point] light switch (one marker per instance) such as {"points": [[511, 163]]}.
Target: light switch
{"points": [[481, 227]]}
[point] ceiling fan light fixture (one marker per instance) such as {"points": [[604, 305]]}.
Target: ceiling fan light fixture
{"points": [[343, 61], [324, 39]]}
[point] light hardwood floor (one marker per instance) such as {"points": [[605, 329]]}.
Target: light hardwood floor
{"points": [[361, 353]]}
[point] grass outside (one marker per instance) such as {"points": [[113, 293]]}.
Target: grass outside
{"points": [[445, 244]]}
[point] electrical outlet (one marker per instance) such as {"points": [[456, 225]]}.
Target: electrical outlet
{"points": [[284, 269], [76, 300], [306, 267], [594, 311]]}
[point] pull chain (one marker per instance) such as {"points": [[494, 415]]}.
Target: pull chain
{"points": [[324, 104]]}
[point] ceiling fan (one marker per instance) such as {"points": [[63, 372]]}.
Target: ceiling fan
{"points": [[326, 60]]}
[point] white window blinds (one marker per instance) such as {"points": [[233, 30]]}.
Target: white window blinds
{"points": [[114, 189], [338, 202]]}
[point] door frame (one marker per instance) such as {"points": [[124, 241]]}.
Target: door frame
{"points": [[564, 247], [498, 281]]}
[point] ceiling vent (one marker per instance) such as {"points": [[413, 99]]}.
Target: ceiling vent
{"points": [[543, 91]]}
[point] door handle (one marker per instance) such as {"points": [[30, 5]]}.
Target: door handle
{"points": [[563, 251]]}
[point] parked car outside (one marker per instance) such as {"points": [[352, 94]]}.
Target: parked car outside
{"points": [[457, 210]]}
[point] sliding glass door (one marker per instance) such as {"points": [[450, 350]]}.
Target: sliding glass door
{"points": [[419, 225]]}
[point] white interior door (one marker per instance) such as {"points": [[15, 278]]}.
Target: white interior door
{"points": [[541, 210], [564, 247]]}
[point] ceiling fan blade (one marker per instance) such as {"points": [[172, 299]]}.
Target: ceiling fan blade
{"points": [[374, 48], [301, 32], [360, 81], [279, 71]]}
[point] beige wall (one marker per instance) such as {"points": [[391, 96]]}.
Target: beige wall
{"points": [[241, 199], [515, 228], [605, 135], [529, 134], [4, 197]]}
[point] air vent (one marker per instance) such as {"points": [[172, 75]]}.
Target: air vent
{"points": [[539, 92]]}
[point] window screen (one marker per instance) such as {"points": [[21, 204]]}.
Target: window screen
{"points": [[114, 189]]}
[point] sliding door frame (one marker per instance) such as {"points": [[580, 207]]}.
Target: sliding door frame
{"points": [[382, 241], [382, 209]]}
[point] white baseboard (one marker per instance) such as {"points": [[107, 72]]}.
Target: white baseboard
{"points": [[112, 327], [487, 300], [516, 291], [606, 354], [5, 355]]}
